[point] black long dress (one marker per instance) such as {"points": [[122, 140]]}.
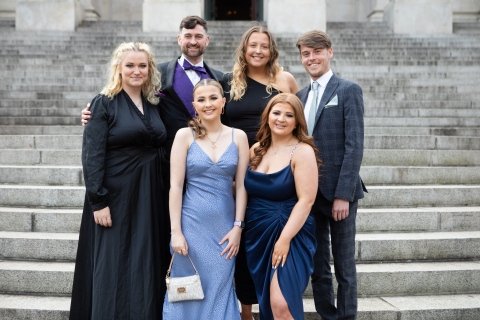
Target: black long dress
{"points": [[245, 114], [119, 271]]}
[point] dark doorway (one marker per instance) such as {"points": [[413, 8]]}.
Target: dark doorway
{"points": [[234, 10]]}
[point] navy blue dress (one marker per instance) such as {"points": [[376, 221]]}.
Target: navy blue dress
{"points": [[271, 198]]}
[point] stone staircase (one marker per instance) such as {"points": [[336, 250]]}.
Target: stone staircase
{"points": [[418, 241]]}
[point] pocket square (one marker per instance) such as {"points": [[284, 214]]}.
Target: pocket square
{"points": [[332, 103]]}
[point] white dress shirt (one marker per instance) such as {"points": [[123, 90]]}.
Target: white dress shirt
{"points": [[192, 74], [322, 81]]}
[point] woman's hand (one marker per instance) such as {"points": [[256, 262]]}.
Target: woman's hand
{"points": [[179, 243], [103, 217], [233, 238], [86, 114], [280, 253]]}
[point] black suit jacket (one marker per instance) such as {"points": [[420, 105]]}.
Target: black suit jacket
{"points": [[172, 110], [339, 134]]}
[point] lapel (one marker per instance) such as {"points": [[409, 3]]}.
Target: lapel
{"points": [[303, 95], [327, 95], [212, 74]]}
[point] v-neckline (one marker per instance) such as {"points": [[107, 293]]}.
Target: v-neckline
{"points": [[206, 154]]}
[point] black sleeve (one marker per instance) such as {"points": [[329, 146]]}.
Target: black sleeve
{"points": [[93, 152]]}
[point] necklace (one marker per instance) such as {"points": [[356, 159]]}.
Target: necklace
{"points": [[213, 142]]}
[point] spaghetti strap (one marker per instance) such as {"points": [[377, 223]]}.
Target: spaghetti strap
{"points": [[233, 130], [293, 151]]}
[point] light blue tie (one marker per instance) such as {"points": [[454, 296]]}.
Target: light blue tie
{"points": [[313, 108]]}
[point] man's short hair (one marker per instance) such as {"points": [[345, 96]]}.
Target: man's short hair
{"points": [[191, 22], [315, 39]]}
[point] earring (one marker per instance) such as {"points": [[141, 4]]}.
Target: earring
{"points": [[223, 110]]}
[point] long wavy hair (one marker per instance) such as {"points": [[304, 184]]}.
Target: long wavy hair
{"points": [[114, 79], [264, 134], [196, 123], [238, 84]]}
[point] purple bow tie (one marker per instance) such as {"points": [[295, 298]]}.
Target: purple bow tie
{"points": [[188, 66]]}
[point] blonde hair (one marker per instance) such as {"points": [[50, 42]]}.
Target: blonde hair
{"points": [[238, 85], [196, 123], [114, 79]]}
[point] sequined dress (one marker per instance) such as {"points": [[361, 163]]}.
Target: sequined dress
{"points": [[208, 213]]}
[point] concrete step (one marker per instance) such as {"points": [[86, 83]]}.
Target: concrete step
{"points": [[40, 220], [420, 219], [43, 112], [41, 130], [42, 121], [417, 131], [407, 175], [46, 196], [38, 246], [422, 142], [403, 157], [14, 307], [420, 122], [44, 157], [369, 112], [41, 175], [41, 141], [25, 277], [422, 195]]}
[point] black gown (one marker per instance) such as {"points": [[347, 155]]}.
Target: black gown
{"points": [[245, 114], [119, 271]]}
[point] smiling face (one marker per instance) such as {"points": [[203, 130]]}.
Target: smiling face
{"points": [[209, 102], [281, 119], [257, 52], [193, 43], [134, 69], [316, 61]]}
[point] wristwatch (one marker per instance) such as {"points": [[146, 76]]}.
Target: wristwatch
{"points": [[240, 224]]}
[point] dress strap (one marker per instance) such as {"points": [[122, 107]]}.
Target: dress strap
{"points": [[193, 133], [293, 150], [233, 130]]}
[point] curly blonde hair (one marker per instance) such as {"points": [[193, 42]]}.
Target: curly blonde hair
{"points": [[238, 84], [114, 80], [264, 134]]}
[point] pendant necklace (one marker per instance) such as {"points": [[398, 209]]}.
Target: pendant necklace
{"points": [[213, 142]]}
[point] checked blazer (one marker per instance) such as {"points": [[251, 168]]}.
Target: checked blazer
{"points": [[339, 135]]}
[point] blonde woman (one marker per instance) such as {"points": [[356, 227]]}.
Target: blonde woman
{"points": [[119, 271]]}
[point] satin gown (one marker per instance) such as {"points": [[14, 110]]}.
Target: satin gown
{"points": [[120, 271], [208, 214], [271, 198]]}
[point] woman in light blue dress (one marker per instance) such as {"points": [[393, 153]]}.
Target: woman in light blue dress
{"points": [[206, 222]]}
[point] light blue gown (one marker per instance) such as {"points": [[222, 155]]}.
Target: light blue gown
{"points": [[208, 213]]}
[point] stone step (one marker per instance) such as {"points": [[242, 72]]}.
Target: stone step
{"points": [[42, 175], [369, 112], [421, 195], [40, 220], [25, 277], [422, 142], [369, 247], [14, 307], [42, 121], [46, 196], [68, 112], [421, 122], [393, 175], [38, 246], [44, 157], [392, 157], [41, 130], [420, 219], [41, 142], [416, 131]]}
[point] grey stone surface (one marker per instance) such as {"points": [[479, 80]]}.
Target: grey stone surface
{"points": [[37, 175], [14, 307], [47, 196]]}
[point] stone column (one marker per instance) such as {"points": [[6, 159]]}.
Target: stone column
{"points": [[375, 10], [299, 16], [420, 16], [56, 15], [91, 13], [7, 9], [166, 15], [465, 10]]}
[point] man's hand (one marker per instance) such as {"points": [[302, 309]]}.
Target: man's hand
{"points": [[86, 115], [340, 209]]}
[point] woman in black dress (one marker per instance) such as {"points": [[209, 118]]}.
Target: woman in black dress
{"points": [[256, 78], [120, 259]]}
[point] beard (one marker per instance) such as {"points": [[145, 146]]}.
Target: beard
{"points": [[200, 51]]}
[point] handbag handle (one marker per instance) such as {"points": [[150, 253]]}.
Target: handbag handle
{"points": [[171, 262]]}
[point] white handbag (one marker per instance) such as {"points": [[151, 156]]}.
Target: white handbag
{"points": [[183, 288]]}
